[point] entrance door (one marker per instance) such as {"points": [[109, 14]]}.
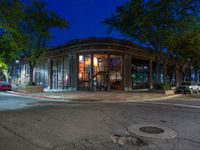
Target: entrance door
{"points": [[100, 81], [100, 76]]}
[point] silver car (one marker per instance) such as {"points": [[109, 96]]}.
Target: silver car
{"points": [[191, 86]]}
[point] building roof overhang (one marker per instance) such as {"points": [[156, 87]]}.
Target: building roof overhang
{"points": [[99, 45]]}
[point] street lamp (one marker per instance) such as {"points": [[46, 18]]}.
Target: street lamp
{"points": [[17, 61]]}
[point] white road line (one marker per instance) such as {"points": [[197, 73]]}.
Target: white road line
{"points": [[172, 104]]}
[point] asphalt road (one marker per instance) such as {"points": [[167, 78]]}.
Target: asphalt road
{"points": [[13, 102], [30, 124]]}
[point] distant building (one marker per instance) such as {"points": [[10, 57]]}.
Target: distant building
{"points": [[95, 64]]}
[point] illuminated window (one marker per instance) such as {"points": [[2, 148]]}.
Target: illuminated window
{"points": [[140, 74], [100, 76], [84, 74], [115, 72]]}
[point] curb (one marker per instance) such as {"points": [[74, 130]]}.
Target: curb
{"points": [[171, 96], [31, 96], [89, 100]]}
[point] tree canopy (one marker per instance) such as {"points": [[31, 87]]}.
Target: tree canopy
{"points": [[11, 14], [150, 22], [160, 25], [25, 30], [36, 28]]}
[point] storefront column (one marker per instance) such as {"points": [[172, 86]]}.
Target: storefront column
{"points": [[76, 67], [150, 74], [70, 72], [108, 64], [92, 74], [127, 72], [73, 71]]}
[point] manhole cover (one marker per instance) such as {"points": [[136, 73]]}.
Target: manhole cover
{"points": [[152, 130]]}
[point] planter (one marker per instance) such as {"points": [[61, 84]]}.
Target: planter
{"points": [[30, 89], [168, 92]]}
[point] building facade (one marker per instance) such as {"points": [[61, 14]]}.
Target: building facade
{"points": [[94, 64]]}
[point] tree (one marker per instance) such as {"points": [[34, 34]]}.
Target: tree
{"points": [[11, 14], [151, 22], [36, 30], [186, 51]]}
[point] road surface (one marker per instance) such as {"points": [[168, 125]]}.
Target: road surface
{"points": [[31, 124]]}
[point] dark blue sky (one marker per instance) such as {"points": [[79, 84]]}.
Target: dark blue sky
{"points": [[84, 18]]}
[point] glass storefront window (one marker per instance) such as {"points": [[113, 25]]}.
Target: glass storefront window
{"points": [[54, 75], [81, 68], [16, 75], [115, 63], [84, 74], [87, 70], [100, 76], [159, 75], [60, 73], [41, 74], [140, 76], [66, 73], [25, 74]]}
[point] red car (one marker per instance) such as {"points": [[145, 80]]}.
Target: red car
{"points": [[5, 86]]}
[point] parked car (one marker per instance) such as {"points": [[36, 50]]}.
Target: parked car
{"points": [[5, 86], [182, 89], [188, 87], [198, 85]]}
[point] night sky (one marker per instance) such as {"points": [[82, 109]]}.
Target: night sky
{"points": [[85, 17]]}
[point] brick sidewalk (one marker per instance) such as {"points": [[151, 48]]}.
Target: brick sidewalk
{"points": [[99, 96]]}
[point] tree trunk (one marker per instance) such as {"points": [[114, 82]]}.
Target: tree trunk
{"points": [[157, 71], [6, 75], [31, 65]]}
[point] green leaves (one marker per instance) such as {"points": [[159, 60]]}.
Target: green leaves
{"points": [[25, 30], [38, 23], [150, 22], [169, 27], [36, 27], [187, 48]]}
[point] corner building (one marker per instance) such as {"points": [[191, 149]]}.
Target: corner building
{"points": [[94, 64]]}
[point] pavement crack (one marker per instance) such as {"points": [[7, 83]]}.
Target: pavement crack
{"points": [[21, 137], [83, 145], [87, 141]]}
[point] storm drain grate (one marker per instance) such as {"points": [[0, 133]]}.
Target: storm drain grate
{"points": [[151, 130]]}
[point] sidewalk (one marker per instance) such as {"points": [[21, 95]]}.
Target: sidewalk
{"points": [[117, 96]]}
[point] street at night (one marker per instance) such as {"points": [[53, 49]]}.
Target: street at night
{"points": [[27, 123], [100, 75]]}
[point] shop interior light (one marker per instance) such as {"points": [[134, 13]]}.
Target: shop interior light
{"points": [[95, 61], [81, 58], [66, 77]]}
